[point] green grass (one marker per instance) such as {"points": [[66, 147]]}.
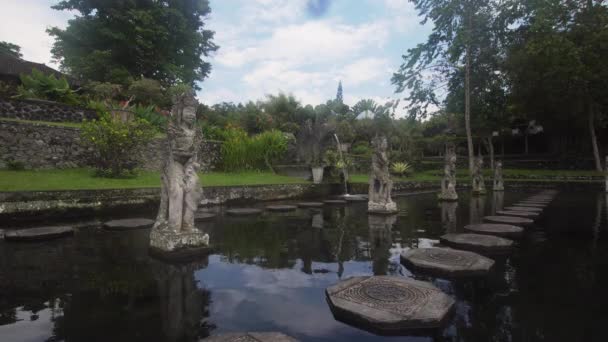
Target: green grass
{"points": [[74, 179]]}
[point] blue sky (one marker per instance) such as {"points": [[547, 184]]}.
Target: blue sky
{"points": [[302, 47]]}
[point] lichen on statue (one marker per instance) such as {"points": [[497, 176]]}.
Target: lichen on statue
{"points": [[448, 183], [380, 184]]}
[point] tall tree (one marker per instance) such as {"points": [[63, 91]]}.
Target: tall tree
{"points": [[339, 96], [117, 41], [10, 49]]}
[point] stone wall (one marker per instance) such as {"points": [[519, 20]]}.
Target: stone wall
{"points": [[42, 146], [40, 110]]}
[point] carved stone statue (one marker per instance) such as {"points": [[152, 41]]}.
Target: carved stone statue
{"points": [[180, 188], [448, 184], [380, 184], [499, 184], [479, 186]]}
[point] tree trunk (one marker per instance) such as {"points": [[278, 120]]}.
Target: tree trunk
{"points": [[490, 146], [596, 153], [467, 107]]}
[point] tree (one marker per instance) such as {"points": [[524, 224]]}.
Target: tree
{"points": [[339, 96], [118, 41], [10, 49]]}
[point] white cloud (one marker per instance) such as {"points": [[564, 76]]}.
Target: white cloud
{"points": [[364, 70]]}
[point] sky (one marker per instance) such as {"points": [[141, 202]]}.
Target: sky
{"points": [[299, 47]]}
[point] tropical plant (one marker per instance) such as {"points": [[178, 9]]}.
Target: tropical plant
{"points": [[101, 91], [401, 168], [37, 85], [152, 115], [116, 146], [147, 92], [258, 152]]}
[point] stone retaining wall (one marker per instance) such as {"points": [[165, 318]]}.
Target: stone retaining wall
{"points": [[40, 110]]}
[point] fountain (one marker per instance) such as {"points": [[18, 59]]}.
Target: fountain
{"points": [[344, 169]]}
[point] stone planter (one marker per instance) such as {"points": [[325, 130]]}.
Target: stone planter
{"points": [[317, 174]]}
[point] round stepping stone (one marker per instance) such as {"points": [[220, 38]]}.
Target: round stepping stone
{"points": [[243, 211], [520, 221], [447, 261], [310, 204], [388, 304], [517, 213], [477, 242], [502, 230], [128, 224], [355, 198], [530, 209], [251, 337], [281, 207], [335, 202], [204, 216], [36, 234]]}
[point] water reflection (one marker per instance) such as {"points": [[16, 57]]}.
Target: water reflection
{"points": [[380, 239], [448, 216], [498, 198], [477, 205]]}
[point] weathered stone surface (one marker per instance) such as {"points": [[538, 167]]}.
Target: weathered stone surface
{"points": [[204, 216], [335, 202], [502, 230], [243, 211], [388, 305], [448, 183], [41, 110], [355, 198], [167, 240], [128, 224], [517, 213], [498, 182], [250, 337], [531, 205], [477, 242], [530, 209], [281, 207], [520, 221], [447, 262], [40, 233], [310, 204], [477, 183], [380, 183]]}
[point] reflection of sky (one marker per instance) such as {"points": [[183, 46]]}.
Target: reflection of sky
{"points": [[25, 329]]}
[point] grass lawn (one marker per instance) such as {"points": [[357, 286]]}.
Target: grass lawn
{"points": [[73, 179]]}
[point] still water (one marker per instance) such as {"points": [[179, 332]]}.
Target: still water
{"points": [[269, 274]]}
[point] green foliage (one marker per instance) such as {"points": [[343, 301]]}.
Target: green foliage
{"points": [[7, 89], [147, 92], [100, 107], [118, 41], [242, 152], [361, 148], [10, 49], [37, 85], [151, 115], [100, 91], [401, 168], [15, 165], [116, 146]]}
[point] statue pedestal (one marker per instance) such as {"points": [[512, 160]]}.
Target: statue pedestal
{"points": [[448, 196], [163, 239], [382, 208]]}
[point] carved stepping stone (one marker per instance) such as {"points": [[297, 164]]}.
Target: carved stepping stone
{"points": [[243, 211], [517, 213], [335, 202], [502, 230], [281, 207], [204, 216], [310, 204], [520, 221], [355, 198], [447, 261], [128, 224], [530, 209], [251, 337], [37, 234], [388, 305], [478, 242]]}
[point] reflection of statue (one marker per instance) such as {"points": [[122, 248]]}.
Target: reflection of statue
{"points": [[477, 207], [448, 184], [499, 184], [380, 239], [180, 188], [380, 184], [448, 216], [479, 187], [498, 199]]}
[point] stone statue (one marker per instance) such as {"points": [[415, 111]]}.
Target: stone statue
{"points": [[180, 188], [499, 184], [448, 184], [479, 186], [380, 184]]}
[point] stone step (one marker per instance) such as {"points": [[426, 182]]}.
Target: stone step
{"points": [[447, 262], [38, 234], [482, 243], [501, 230], [128, 224]]}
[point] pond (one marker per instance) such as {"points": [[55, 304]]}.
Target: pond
{"points": [[269, 273]]}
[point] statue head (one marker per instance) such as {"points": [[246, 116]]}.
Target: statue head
{"points": [[184, 107]]}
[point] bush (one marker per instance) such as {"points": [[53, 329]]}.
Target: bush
{"points": [[242, 152], [15, 165], [147, 92], [401, 168], [37, 85], [152, 115], [116, 146], [103, 90], [361, 149]]}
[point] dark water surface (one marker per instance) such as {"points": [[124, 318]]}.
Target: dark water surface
{"points": [[270, 272]]}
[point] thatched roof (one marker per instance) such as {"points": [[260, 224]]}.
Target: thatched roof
{"points": [[12, 66]]}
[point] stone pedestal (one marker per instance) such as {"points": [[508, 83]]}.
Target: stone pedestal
{"points": [[380, 184], [448, 183], [167, 240]]}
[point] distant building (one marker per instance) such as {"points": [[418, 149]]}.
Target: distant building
{"points": [[11, 67]]}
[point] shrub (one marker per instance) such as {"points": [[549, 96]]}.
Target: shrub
{"points": [[116, 146], [37, 85], [361, 149], [152, 115], [401, 168], [147, 92], [103, 90], [15, 165], [258, 152]]}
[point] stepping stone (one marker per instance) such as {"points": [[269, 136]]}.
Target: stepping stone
{"points": [[204, 216], [1, 234], [447, 261], [517, 213], [128, 224], [530, 209], [502, 230], [37, 234], [531, 205], [520, 221], [335, 202], [243, 211], [310, 204], [477, 242], [281, 207], [387, 304], [251, 337], [355, 198]]}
